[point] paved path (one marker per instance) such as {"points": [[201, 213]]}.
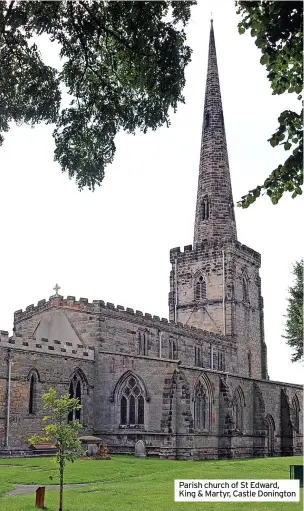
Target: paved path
{"points": [[21, 489]]}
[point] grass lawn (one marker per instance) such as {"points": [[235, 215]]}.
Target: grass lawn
{"points": [[130, 484]]}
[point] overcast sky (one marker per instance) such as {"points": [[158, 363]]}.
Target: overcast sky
{"points": [[114, 244]]}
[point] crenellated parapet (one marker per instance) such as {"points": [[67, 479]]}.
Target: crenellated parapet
{"points": [[46, 346], [101, 308], [216, 246]]}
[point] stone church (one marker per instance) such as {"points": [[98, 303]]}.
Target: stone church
{"points": [[192, 387]]}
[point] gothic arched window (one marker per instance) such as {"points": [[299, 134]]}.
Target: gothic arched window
{"points": [[132, 403], [200, 289], [205, 208], [200, 408], [32, 406], [76, 391], [245, 289]]}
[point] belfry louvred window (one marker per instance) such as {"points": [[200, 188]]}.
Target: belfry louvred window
{"points": [[132, 403], [200, 289]]}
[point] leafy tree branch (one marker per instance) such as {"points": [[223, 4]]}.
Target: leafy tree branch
{"points": [[277, 29]]}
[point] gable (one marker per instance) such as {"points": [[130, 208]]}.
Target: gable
{"points": [[54, 325]]}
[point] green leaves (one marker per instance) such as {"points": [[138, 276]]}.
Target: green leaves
{"points": [[124, 66], [61, 432], [277, 27], [294, 316]]}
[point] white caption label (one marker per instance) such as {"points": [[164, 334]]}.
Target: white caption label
{"points": [[236, 490]]}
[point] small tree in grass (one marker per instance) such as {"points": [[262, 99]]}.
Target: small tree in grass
{"points": [[60, 431]]}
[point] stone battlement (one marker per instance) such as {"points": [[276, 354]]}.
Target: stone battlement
{"points": [[178, 253], [43, 345], [107, 308]]}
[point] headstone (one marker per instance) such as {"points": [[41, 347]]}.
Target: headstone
{"points": [[40, 493], [140, 449], [92, 449]]}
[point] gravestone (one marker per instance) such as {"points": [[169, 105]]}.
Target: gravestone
{"points": [[140, 449], [40, 493], [92, 449]]}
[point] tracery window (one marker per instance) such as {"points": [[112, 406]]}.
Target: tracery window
{"points": [[200, 408], [75, 391], [200, 289], [132, 403]]}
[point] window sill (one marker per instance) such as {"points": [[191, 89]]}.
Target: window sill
{"points": [[202, 431], [132, 426]]}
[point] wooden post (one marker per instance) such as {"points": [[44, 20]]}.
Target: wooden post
{"points": [[40, 493]]}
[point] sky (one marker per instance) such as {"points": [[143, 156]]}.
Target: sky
{"points": [[113, 244]]}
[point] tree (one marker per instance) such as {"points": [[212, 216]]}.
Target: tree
{"points": [[277, 28], [294, 322], [60, 431], [123, 67]]}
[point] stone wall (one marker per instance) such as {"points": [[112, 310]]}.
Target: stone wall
{"points": [[52, 370], [238, 318], [107, 345]]}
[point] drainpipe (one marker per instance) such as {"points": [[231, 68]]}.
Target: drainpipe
{"points": [[8, 407], [175, 301], [160, 344], [224, 292]]}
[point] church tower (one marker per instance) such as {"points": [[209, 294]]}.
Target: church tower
{"points": [[215, 283]]}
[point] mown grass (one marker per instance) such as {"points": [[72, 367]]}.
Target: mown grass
{"points": [[130, 484]]}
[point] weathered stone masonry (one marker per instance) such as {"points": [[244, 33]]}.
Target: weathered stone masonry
{"points": [[193, 387]]}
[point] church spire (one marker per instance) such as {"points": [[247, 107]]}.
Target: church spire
{"points": [[214, 218]]}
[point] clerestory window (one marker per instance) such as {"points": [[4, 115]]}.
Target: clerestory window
{"points": [[143, 343]]}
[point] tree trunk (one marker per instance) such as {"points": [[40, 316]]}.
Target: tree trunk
{"points": [[61, 469]]}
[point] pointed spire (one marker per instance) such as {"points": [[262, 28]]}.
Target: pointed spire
{"points": [[214, 218]]}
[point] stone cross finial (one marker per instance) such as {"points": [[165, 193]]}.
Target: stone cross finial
{"points": [[56, 289]]}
